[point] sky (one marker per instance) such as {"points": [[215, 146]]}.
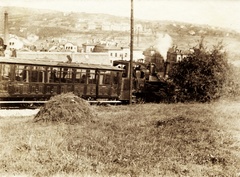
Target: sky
{"points": [[220, 13]]}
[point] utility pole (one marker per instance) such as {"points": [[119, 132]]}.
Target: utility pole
{"points": [[138, 37], [131, 54], [6, 33]]}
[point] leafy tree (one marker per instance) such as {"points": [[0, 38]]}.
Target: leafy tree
{"points": [[203, 75]]}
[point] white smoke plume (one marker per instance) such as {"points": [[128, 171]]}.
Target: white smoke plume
{"points": [[163, 43]]}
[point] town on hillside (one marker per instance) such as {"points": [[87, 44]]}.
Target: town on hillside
{"points": [[93, 51]]}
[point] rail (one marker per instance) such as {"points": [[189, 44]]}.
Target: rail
{"points": [[91, 102]]}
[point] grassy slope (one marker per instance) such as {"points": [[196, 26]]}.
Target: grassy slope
{"points": [[137, 140]]}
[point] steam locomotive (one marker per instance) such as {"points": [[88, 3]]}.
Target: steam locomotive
{"points": [[150, 83], [29, 82]]}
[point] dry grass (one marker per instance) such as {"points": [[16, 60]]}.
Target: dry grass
{"points": [[67, 108], [137, 140]]}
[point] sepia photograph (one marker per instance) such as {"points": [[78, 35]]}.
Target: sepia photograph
{"points": [[119, 88]]}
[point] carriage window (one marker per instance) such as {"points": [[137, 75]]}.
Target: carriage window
{"points": [[53, 74], [104, 77], [66, 75], [36, 74], [81, 75], [5, 72], [91, 77], [20, 73], [115, 77]]}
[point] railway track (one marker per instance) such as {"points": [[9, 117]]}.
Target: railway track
{"points": [[38, 104]]}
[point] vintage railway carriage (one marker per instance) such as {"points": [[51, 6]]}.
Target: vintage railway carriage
{"points": [[35, 80]]}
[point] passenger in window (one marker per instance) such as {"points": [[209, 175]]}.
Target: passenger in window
{"points": [[34, 75], [65, 71], [23, 74], [74, 74], [83, 79], [53, 77], [18, 78]]}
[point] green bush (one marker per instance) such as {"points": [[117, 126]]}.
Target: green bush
{"points": [[203, 75]]}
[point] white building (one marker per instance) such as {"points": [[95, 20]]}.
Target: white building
{"points": [[15, 43], [70, 47], [123, 53]]}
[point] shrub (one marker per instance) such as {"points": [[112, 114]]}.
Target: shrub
{"points": [[203, 75]]}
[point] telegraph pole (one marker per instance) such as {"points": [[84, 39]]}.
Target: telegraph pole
{"points": [[131, 54]]}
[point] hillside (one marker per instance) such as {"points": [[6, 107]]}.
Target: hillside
{"points": [[82, 27]]}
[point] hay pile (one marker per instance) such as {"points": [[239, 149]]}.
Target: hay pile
{"points": [[65, 108]]}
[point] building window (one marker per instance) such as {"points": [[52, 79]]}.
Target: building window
{"points": [[111, 54], [125, 54], [115, 54]]}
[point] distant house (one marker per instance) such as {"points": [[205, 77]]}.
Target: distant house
{"points": [[116, 52], [70, 47], [113, 50], [15, 43], [176, 55], [88, 47]]}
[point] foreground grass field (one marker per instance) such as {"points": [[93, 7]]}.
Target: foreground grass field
{"points": [[136, 140]]}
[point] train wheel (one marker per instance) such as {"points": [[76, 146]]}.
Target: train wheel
{"points": [[27, 105], [23, 105], [140, 100]]}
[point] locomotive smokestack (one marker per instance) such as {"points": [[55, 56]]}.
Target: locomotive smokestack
{"points": [[6, 32], [164, 42]]}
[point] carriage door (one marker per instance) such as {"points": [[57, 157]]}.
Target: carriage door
{"points": [[79, 82], [91, 86], [66, 79], [36, 80], [104, 84]]}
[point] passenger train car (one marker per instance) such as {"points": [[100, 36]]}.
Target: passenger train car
{"points": [[35, 81]]}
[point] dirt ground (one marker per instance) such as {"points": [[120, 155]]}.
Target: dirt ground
{"points": [[17, 112]]}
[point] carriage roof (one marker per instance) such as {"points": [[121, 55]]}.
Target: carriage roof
{"points": [[40, 62]]}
